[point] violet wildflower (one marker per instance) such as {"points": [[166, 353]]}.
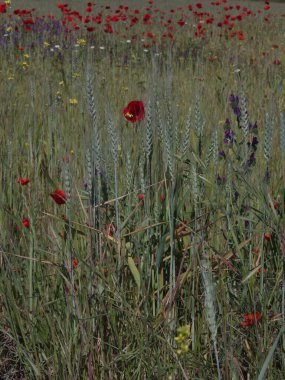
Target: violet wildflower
{"points": [[252, 127], [237, 111], [229, 136], [232, 98], [227, 122], [222, 154], [254, 142]]}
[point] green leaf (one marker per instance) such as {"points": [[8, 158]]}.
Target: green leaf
{"points": [[269, 356], [134, 271], [160, 251]]}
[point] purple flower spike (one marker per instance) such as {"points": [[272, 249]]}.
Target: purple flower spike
{"points": [[229, 136], [237, 111], [254, 142]]}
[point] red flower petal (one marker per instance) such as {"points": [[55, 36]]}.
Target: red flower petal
{"points": [[74, 263], [59, 197], [267, 236], [26, 222], [251, 319], [134, 111], [23, 181]]}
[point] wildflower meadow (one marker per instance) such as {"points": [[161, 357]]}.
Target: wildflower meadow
{"points": [[142, 203]]}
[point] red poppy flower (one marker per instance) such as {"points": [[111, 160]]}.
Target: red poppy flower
{"points": [[3, 8], [74, 263], [61, 5], [267, 236], [277, 62], [26, 222], [150, 35], [134, 20], [23, 181], [147, 18], [241, 36], [108, 28], [140, 197], [59, 197], [251, 319], [134, 111], [28, 21]]}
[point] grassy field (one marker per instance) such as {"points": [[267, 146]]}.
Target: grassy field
{"points": [[151, 249]]}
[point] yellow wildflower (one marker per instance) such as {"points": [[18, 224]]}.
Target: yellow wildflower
{"points": [[46, 44], [73, 101], [25, 65], [182, 339], [81, 42], [9, 29], [184, 330], [26, 56]]}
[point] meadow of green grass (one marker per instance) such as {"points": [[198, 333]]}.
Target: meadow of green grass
{"points": [[167, 259]]}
